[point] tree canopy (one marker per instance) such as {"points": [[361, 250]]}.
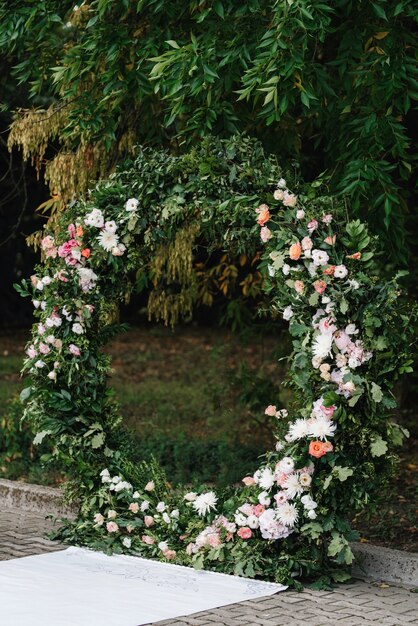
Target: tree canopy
{"points": [[329, 84]]}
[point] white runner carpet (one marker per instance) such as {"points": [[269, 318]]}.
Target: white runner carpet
{"points": [[78, 587]]}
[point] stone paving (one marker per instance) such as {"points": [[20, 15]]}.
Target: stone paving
{"points": [[359, 603]]}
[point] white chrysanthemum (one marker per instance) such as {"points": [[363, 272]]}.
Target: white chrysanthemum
{"points": [[131, 204], [319, 257], [297, 430], [94, 218], [292, 486], [322, 346], [266, 480], [340, 271], [321, 427], [108, 240], [287, 313], [205, 502], [287, 514]]}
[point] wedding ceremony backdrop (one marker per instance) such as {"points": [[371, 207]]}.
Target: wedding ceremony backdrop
{"points": [[278, 133]]}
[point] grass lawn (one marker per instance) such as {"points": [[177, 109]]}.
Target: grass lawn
{"points": [[195, 398]]}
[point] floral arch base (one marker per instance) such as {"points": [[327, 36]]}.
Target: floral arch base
{"points": [[334, 446]]}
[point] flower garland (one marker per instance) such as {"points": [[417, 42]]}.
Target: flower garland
{"points": [[290, 517]]}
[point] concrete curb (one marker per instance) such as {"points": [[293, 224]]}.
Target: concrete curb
{"points": [[372, 562], [36, 498], [385, 564]]}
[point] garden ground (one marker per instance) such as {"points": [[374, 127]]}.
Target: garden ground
{"points": [[198, 394]]}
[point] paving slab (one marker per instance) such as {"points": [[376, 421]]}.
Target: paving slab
{"points": [[359, 603]]}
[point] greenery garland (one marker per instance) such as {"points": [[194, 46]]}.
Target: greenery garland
{"points": [[350, 343]]}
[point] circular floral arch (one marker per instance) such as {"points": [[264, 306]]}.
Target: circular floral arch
{"points": [[349, 335]]}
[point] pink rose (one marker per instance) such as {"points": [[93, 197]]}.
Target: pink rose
{"points": [[148, 521], [62, 276], [270, 410], [134, 507], [214, 540], [328, 411], [265, 234], [320, 286], [327, 219], [112, 527], [258, 510], [299, 286], [313, 225], [43, 348], [307, 243], [280, 497], [148, 540], [245, 532], [99, 519], [73, 349], [66, 248], [71, 230], [31, 352], [169, 554], [150, 486], [341, 340], [248, 481]]}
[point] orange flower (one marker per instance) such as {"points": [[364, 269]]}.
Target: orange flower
{"points": [[295, 251], [318, 449], [356, 256], [320, 286], [79, 231], [85, 253], [329, 271], [263, 214]]}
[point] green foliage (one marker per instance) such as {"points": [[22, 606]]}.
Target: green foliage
{"points": [[331, 84]]}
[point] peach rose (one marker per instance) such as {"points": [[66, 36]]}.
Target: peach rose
{"points": [[307, 243], [85, 253], [263, 214], [134, 507], [79, 231], [327, 446], [295, 251], [356, 256], [259, 510], [329, 271], [248, 481], [245, 532], [316, 449], [112, 527], [148, 520], [169, 554], [320, 286], [330, 240], [270, 410]]}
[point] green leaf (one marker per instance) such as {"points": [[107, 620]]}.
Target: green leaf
{"points": [[336, 545], [377, 394], [219, 9], [39, 437], [313, 298], [25, 393], [378, 446], [98, 440], [343, 472], [343, 306]]}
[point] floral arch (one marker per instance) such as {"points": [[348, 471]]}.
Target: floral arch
{"points": [[349, 333]]}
